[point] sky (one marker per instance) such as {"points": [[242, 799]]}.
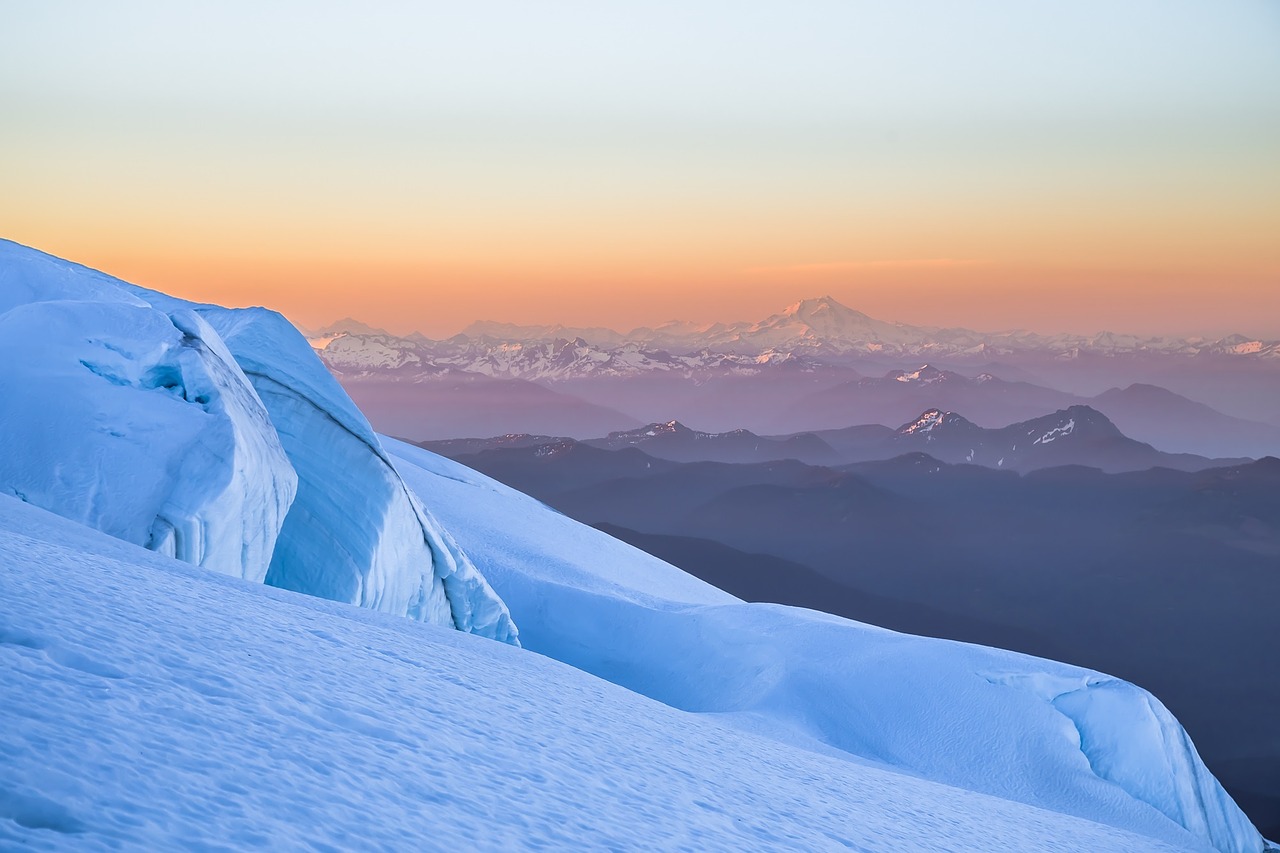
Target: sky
{"points": [[1058, 166]]}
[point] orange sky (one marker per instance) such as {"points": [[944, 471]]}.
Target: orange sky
{"points": [[421, 170]]}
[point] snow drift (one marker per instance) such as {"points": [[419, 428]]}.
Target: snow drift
{"points": [[216, 436], [1021, 728]]}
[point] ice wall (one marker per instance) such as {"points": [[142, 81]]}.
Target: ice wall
{"points": [[355, 532], [134, 420], [217, 436]]}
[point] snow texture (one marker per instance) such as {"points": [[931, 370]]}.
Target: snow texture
{"points": [[135, 421], [95, 405], [145, 704], [1009, 725], [356, 533]]}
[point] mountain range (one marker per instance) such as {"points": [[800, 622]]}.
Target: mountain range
{"points": [[820, 328], [817, 365], [1077, 435]]}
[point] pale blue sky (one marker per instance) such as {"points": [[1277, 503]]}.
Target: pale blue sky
{"points": [[611, 145]]}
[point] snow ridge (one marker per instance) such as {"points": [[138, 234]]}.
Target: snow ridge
{"points": [[216, 436]]}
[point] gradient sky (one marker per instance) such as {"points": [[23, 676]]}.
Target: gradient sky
{"points": [[1048, 165]]}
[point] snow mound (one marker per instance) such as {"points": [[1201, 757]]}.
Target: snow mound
{"points": [[356, 533], [149, 705], [215, 435], [1005, 724], [137, 422]]}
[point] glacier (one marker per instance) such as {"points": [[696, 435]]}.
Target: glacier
{"points": [[133, 407], [135, 421], [1025, 729], [355, 532], [146, 704]]}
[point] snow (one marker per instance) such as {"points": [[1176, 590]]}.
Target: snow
{"points": [[925, 423], [149, 705], [968, 716], [1057, 432], [367, 352], [188, 428], [383, 550], [816, 331], [134, 420], [925, 375]]}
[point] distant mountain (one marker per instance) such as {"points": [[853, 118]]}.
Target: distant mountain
{"points": [[458, 404], [575, 465], [856, 442], [453, 447], [901, 394], [821, 365], [820, 328], [489, 330], [1077, 435], [347, 326], [1172, 422], [673, 440]]}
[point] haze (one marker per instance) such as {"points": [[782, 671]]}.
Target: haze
{"points": [[1054, 166]]}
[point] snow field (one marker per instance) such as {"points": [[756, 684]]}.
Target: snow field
{"points": [[150, 705]]}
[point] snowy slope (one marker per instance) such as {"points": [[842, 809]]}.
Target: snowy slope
{"points": [[185, 428], [149, 705], [1005, 724]]}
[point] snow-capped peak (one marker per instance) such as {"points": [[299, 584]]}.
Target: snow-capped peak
{"points": [[926, 374], [927, 422], [819, 306], [650, 431]]}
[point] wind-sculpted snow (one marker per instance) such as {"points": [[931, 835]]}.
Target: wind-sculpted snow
{"points": [[189, 429], [135, 421], [1131, 739], [356, 533], [147, 705], [969, 716]]}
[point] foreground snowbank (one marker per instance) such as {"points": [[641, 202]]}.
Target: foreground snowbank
{"points": [[148, 705], [216, 436], [1006, 724], [356, 533]]}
